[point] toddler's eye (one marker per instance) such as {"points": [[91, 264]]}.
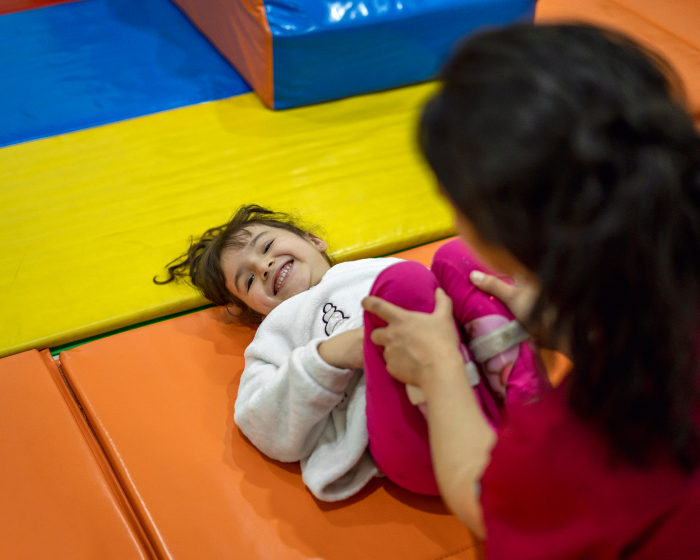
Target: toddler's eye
{"points": [[267, 247], [250, 282]]}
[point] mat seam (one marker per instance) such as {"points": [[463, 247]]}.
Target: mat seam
{"points": [[150, 549]]}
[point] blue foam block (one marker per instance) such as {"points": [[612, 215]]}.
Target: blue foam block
{"points": [[72, 66], [327, 49]]}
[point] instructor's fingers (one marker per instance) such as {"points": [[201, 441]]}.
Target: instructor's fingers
{"points": [[494, 286], [443, 303], [382, 309]]}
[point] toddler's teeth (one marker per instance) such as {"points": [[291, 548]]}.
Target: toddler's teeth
{"points": [[282, 275]]}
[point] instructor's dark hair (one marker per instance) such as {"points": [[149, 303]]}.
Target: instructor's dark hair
{"points": [[200, 265], [570, 146]]}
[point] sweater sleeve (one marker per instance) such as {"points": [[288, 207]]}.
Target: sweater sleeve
{"points": [[286, 396]]}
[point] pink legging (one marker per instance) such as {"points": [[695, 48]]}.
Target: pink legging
{"points": [[398, 431]]}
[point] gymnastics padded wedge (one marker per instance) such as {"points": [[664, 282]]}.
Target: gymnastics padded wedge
{"points": [[298, 52]]}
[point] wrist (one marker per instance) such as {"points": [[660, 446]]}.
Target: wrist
{"points": [[447, 371]]}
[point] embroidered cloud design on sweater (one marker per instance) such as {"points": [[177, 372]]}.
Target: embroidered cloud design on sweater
{"points": [[332, 316]]}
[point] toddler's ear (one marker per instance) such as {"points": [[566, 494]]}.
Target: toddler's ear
{"points": [[316, 241], [230, 313]]}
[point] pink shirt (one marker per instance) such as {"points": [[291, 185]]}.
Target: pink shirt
{"points": [[552, 491]]}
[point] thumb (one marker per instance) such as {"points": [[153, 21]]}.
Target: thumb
{"points": [[492, 285], [443, 303]]}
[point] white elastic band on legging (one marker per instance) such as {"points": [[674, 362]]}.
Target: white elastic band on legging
{"points": [[472, 373], [499, 340]]}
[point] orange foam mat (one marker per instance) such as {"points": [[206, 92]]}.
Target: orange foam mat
{"points": [[160, 400], [58, 496], [669, 28]]}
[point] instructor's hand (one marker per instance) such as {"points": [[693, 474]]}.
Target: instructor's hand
{"points": [[520, 297], [415, 344]]}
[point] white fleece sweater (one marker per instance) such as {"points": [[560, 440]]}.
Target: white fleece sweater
{"points": [[292, 405]]}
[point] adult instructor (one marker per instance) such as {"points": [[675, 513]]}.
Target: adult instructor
{"points": [[573, 166]]}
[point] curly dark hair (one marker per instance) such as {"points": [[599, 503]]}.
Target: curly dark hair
{"points": [[200, 265], [570, 146]]}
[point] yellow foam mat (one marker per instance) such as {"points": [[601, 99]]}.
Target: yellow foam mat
{"points": [[87, 219]]}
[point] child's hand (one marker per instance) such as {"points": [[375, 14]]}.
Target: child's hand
{"points": [[344, 350]]}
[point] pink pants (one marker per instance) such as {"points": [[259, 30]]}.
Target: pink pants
{"points": [[398, 431]]}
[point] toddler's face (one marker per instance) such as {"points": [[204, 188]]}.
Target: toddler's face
{"points": [[274, 265]]}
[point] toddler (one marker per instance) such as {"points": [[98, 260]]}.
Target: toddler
{"points": [[315, 388]]}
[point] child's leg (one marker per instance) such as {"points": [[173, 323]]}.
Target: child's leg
{"points": [[512, 368], [398, 431]]}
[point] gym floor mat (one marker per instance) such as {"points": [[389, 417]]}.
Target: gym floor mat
{"points": [[60, 498], [671, 29], [89, 218], [161, 402], [83, 64]]}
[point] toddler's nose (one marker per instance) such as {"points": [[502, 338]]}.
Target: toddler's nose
{"points": [[267, 268]]}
